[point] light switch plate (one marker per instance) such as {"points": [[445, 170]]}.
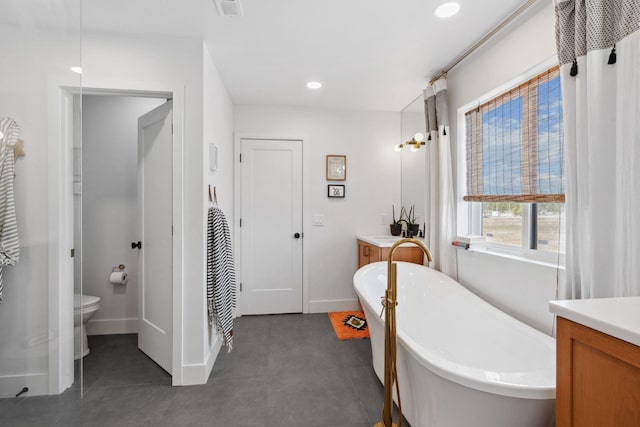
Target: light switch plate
{"points": [[317, 220], [213, 157]]}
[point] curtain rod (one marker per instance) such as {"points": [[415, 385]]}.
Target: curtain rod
{"points": [[483, 40]]}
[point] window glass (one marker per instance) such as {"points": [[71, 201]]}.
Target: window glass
{"points": [[514, 144], [502, 148], [514, 162], [551, 227], [502, 222]]}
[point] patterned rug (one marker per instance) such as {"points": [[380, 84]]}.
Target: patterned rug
{"points": [[349, 325]]}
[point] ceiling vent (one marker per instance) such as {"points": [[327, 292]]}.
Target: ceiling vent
{"points": [[228, 7]]}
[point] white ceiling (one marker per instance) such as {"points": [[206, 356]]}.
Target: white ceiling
{"points": [[369, 54]]}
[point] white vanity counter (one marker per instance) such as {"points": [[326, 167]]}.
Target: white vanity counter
{"points": [[385, 241], [618, 317]]}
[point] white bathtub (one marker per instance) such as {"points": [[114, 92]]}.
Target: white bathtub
{"points": [[461, 361]]}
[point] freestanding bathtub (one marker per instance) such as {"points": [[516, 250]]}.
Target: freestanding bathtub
{"points": [[461, 361]]}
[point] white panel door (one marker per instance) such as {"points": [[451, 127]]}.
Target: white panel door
{"points": [[155, 287], [271, 230]]}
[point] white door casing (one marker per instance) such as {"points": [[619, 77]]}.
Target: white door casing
{"points": [[271, 231], [155, 287]]}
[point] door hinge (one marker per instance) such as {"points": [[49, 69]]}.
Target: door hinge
{"points": [[240, 286], [240, 157], [73, 253], [240, 222]]}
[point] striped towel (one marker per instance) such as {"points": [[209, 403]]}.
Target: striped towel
{"points": [[221, 276], [9, 244]]}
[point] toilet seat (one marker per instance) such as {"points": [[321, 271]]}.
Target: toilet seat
{"points": [[84, 301]]}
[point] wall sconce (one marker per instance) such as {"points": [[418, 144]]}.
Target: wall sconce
{"points": [[415, 143]]}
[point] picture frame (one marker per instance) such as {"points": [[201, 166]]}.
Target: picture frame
{"points": [[336, 167], [335, 191]]}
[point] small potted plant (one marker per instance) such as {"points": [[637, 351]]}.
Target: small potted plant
{"points": [[396, 225], [409, 218]]}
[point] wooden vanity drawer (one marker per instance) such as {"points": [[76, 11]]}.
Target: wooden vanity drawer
{"points": [[368, 253]]}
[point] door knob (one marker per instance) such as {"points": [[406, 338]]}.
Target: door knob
{"points": [[297, 235], [136, 245]]}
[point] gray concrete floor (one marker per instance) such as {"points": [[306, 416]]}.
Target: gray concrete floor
{"points": [[284, 370]]}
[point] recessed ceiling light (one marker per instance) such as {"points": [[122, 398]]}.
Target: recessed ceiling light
{"points": [[445, 10], [314, 85], [77, 70]]}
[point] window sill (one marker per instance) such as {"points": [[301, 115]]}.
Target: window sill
{"points": [[548, 259]]}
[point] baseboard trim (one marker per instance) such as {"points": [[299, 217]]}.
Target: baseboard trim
{"points": [[112, 326], [194, 374], [326, 306], [11, 385], [213, 354]]}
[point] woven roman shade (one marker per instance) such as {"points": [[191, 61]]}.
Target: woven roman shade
{"points": [[514, 144]]}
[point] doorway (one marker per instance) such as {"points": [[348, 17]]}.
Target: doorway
{"points": [[122, 180], [271, 226]]}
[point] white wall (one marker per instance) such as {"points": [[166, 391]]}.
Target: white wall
{"points": [[218, 130], [29, 92], [110, 206], [147, 62], [24, 323], [372, 186], [134, 61], [520, 288]]}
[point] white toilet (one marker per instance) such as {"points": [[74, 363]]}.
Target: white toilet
{"points": [[84, 306]]}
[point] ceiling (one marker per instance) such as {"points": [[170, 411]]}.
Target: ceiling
{"points": [[368, 54]]}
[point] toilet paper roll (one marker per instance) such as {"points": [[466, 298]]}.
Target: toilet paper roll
{"points": [[118, 278]]}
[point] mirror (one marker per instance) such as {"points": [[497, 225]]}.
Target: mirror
{"points": [[413, 176]]}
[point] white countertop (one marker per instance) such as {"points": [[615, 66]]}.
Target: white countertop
{"points": [[618, 317], [385, 241]]}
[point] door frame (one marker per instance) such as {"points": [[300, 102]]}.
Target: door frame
{"points": [[61, 230], [306, 203]]}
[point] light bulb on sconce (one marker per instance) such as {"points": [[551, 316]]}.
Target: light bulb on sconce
{"points": [[2, 136], [414, 144]]}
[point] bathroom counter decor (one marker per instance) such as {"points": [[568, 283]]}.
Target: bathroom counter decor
{"points": [[598, 362]]}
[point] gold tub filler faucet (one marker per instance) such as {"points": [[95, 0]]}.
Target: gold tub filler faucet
{"points": [[389, 302]]}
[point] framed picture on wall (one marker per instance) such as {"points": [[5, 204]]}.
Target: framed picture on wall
{"points": [[336, 167], [335, 190]]}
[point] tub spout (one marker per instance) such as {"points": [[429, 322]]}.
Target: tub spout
{"points": [[389, 303]]}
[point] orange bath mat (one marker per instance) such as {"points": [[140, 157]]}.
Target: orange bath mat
{"points": [[349, 325]]}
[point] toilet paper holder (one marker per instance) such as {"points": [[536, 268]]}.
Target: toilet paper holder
{"points": [[118, 276]]}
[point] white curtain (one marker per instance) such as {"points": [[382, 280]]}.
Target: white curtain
{"points": [[441, 213], [601, 102]]}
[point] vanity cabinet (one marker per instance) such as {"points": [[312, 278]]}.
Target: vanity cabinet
{"points": [[597, 379], [368, 253]]}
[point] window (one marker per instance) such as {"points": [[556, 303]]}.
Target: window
{"points": [[514, 176]]}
